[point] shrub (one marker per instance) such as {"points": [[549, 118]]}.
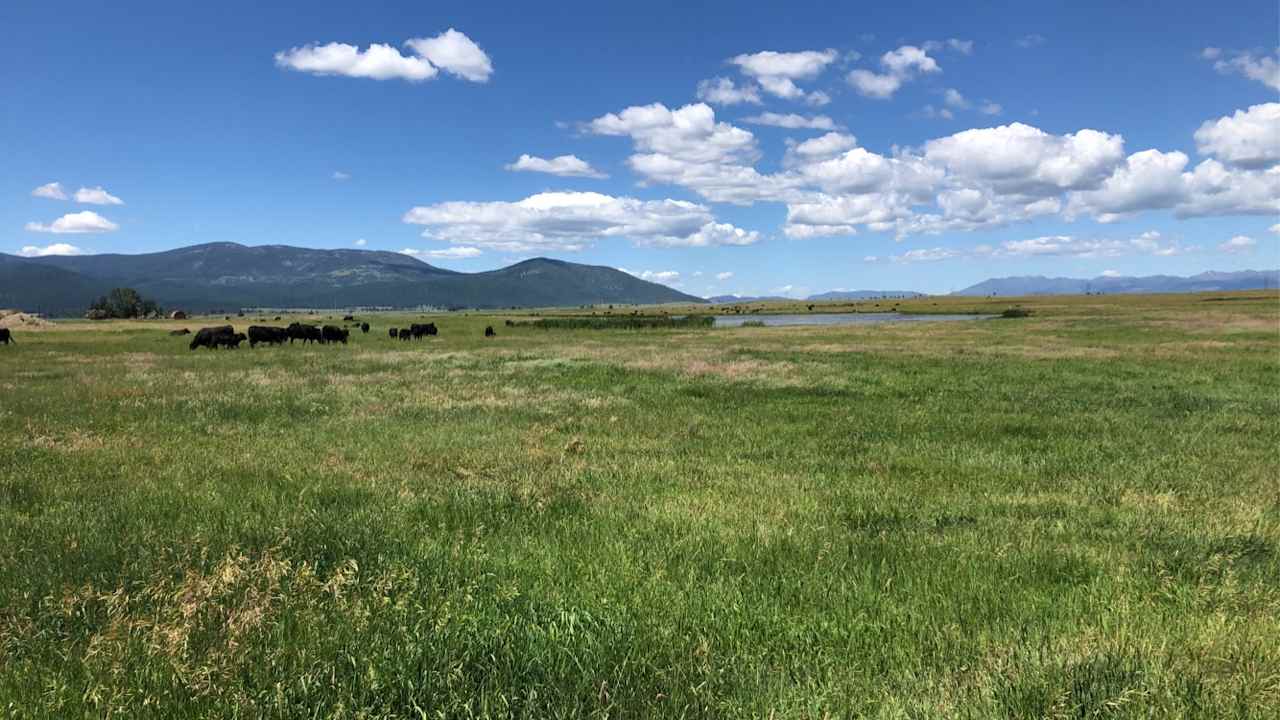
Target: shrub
{"points": [[1016, 312]]}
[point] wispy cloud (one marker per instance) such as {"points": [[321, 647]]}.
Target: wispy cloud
{"points": [[52, 191], [1239, 245], [96, 196], [792, 121], [561, 165], [1255, 66], [54, 249], [453, 253], [899, 66]]}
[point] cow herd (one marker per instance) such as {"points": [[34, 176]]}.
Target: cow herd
{"points": [[415, 331], [225, 336]]}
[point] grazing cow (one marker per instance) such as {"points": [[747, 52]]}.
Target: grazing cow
{"points": [[394, 333], [405, 334], [488, 331], [183, 331], [430, 329], [332, 333], [364, 328], [211, 337], [6, 337], [230, 342], [348, 318], [305, 333], [267, 334]]}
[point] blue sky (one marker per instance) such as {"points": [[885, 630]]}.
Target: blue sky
{"points": [[943, 144]]}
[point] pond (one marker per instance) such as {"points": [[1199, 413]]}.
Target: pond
{"points": [[839, 319]]}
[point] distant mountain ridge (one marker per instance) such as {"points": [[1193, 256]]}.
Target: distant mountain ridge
{"points": [[1203, 282], [229, 276], [833, 295]]}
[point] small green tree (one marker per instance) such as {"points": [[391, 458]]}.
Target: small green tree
{"points": [[123, 303]]}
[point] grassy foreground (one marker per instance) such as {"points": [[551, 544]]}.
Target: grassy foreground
{"points": [[1071, 515]]}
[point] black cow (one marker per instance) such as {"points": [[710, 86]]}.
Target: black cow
{"points": [[267, 334], [348, 318], [424, 329], [488, 331], [405, 334], [211, 337], [183, 331], [305, 333], [364, 328], [230, 342], [6, 336], [332, 333], [394, 333]]}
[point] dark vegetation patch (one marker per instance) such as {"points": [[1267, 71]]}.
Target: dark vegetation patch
{"points": [[619, 322]]}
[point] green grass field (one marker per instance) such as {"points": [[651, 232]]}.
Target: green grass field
{"points": [[1071, 515]]}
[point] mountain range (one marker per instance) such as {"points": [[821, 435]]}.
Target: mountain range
{"points": [[834, 295], [229, 276], [1204, 282]]}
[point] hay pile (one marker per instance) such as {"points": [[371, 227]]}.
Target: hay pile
{"points": [[16, 319]]}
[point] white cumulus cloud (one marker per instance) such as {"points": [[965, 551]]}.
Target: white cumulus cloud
{"points": [[86, 221], [456, 54], [570, 221], [361, 242], [724, 276], [777, 72], [451, 51], [975, 179], [379, 62], [722, 91], [1248, 139], [562, 165], [1024, 159]]}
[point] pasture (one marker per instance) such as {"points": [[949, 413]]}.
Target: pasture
{"points": [[1074, 514]]}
